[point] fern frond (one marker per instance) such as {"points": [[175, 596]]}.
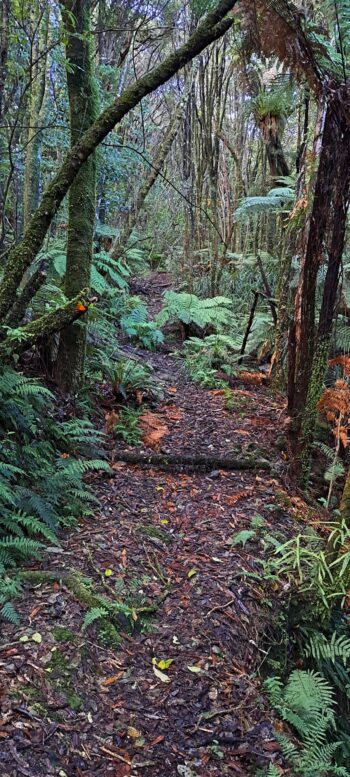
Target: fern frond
{"points": [[92, 615], [9, 613]]}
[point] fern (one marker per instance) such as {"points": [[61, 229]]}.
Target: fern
{"points": [[188, 308], [41, 485], [94, 614], [277, 199], [9, 613], [319, 647], [307, 704]]}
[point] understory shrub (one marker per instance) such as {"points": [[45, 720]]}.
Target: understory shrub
{"points": [[42, 467]]}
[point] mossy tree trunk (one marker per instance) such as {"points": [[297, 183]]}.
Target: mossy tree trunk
{"points": [[213, 26], [4, 46], [82, 193]]}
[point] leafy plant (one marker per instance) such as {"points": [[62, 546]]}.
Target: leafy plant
{"points": [[93, 615], [306, 702], [128, 427], [136, 325], [42, 468], [129, 376], [188, 308]]}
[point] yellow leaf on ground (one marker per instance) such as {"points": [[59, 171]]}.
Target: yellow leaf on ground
{"points": [[133, 732], [161, 676]]}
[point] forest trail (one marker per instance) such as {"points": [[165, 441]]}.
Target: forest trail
{"points": [[76, 704]]}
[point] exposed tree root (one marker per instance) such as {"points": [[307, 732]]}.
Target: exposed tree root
{"points": [[82, 589]]}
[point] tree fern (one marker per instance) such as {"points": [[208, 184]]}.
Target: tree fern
{"points": [[277, 199], [188, 308]]}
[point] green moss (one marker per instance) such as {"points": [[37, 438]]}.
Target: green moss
{"points": [[61, 634], [108, 635], [60, 677], [319, 368]]}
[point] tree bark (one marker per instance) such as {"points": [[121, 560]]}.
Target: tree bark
{"points": [[326, 237], [82, 194], [214, 25], [31, 185], [17, 312], [120, 244], [25, 337]]}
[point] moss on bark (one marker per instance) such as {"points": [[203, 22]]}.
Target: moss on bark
{"points": [[82, 194], [211, 28], [26, 336]]}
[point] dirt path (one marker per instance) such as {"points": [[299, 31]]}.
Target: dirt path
{"points": [[76, 703]]}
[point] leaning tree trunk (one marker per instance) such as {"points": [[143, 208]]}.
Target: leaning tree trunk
{"points": [[4, 46], [309, 353], [213, 26]]}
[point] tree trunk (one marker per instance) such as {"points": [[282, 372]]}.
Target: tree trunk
{"points": [[27, 336], [4, 44], [213, 26], [120, 243], [31, 185], [309, 354], [274, 151], [82, 193]]}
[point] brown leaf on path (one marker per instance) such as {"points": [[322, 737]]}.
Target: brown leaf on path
{"points": [[157, 740], [110, 421], [231, 500], [113, 678], [153, 429]]}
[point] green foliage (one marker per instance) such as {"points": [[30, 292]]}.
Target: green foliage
{"points": [[92, 615], [278, 199], [242, 537], [136, 325], [9, 589], [306, 702], [319, 647], [304, 562], [190, 309], [42, 468], [129, 376], [274, 102], [127, 427]]}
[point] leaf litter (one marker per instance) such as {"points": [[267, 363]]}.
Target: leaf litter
{"points": [[176, 693]]}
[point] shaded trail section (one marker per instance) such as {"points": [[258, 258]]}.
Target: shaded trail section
{"points": [[76, 703]]}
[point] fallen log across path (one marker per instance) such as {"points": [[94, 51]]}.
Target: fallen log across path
{"points": [[168, 461]]}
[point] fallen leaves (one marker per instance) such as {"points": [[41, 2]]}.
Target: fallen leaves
{"points": [[113, 678], [160, 675], [153, 429]]}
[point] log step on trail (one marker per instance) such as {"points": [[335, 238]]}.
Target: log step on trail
{"points": [[167, 461]]}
